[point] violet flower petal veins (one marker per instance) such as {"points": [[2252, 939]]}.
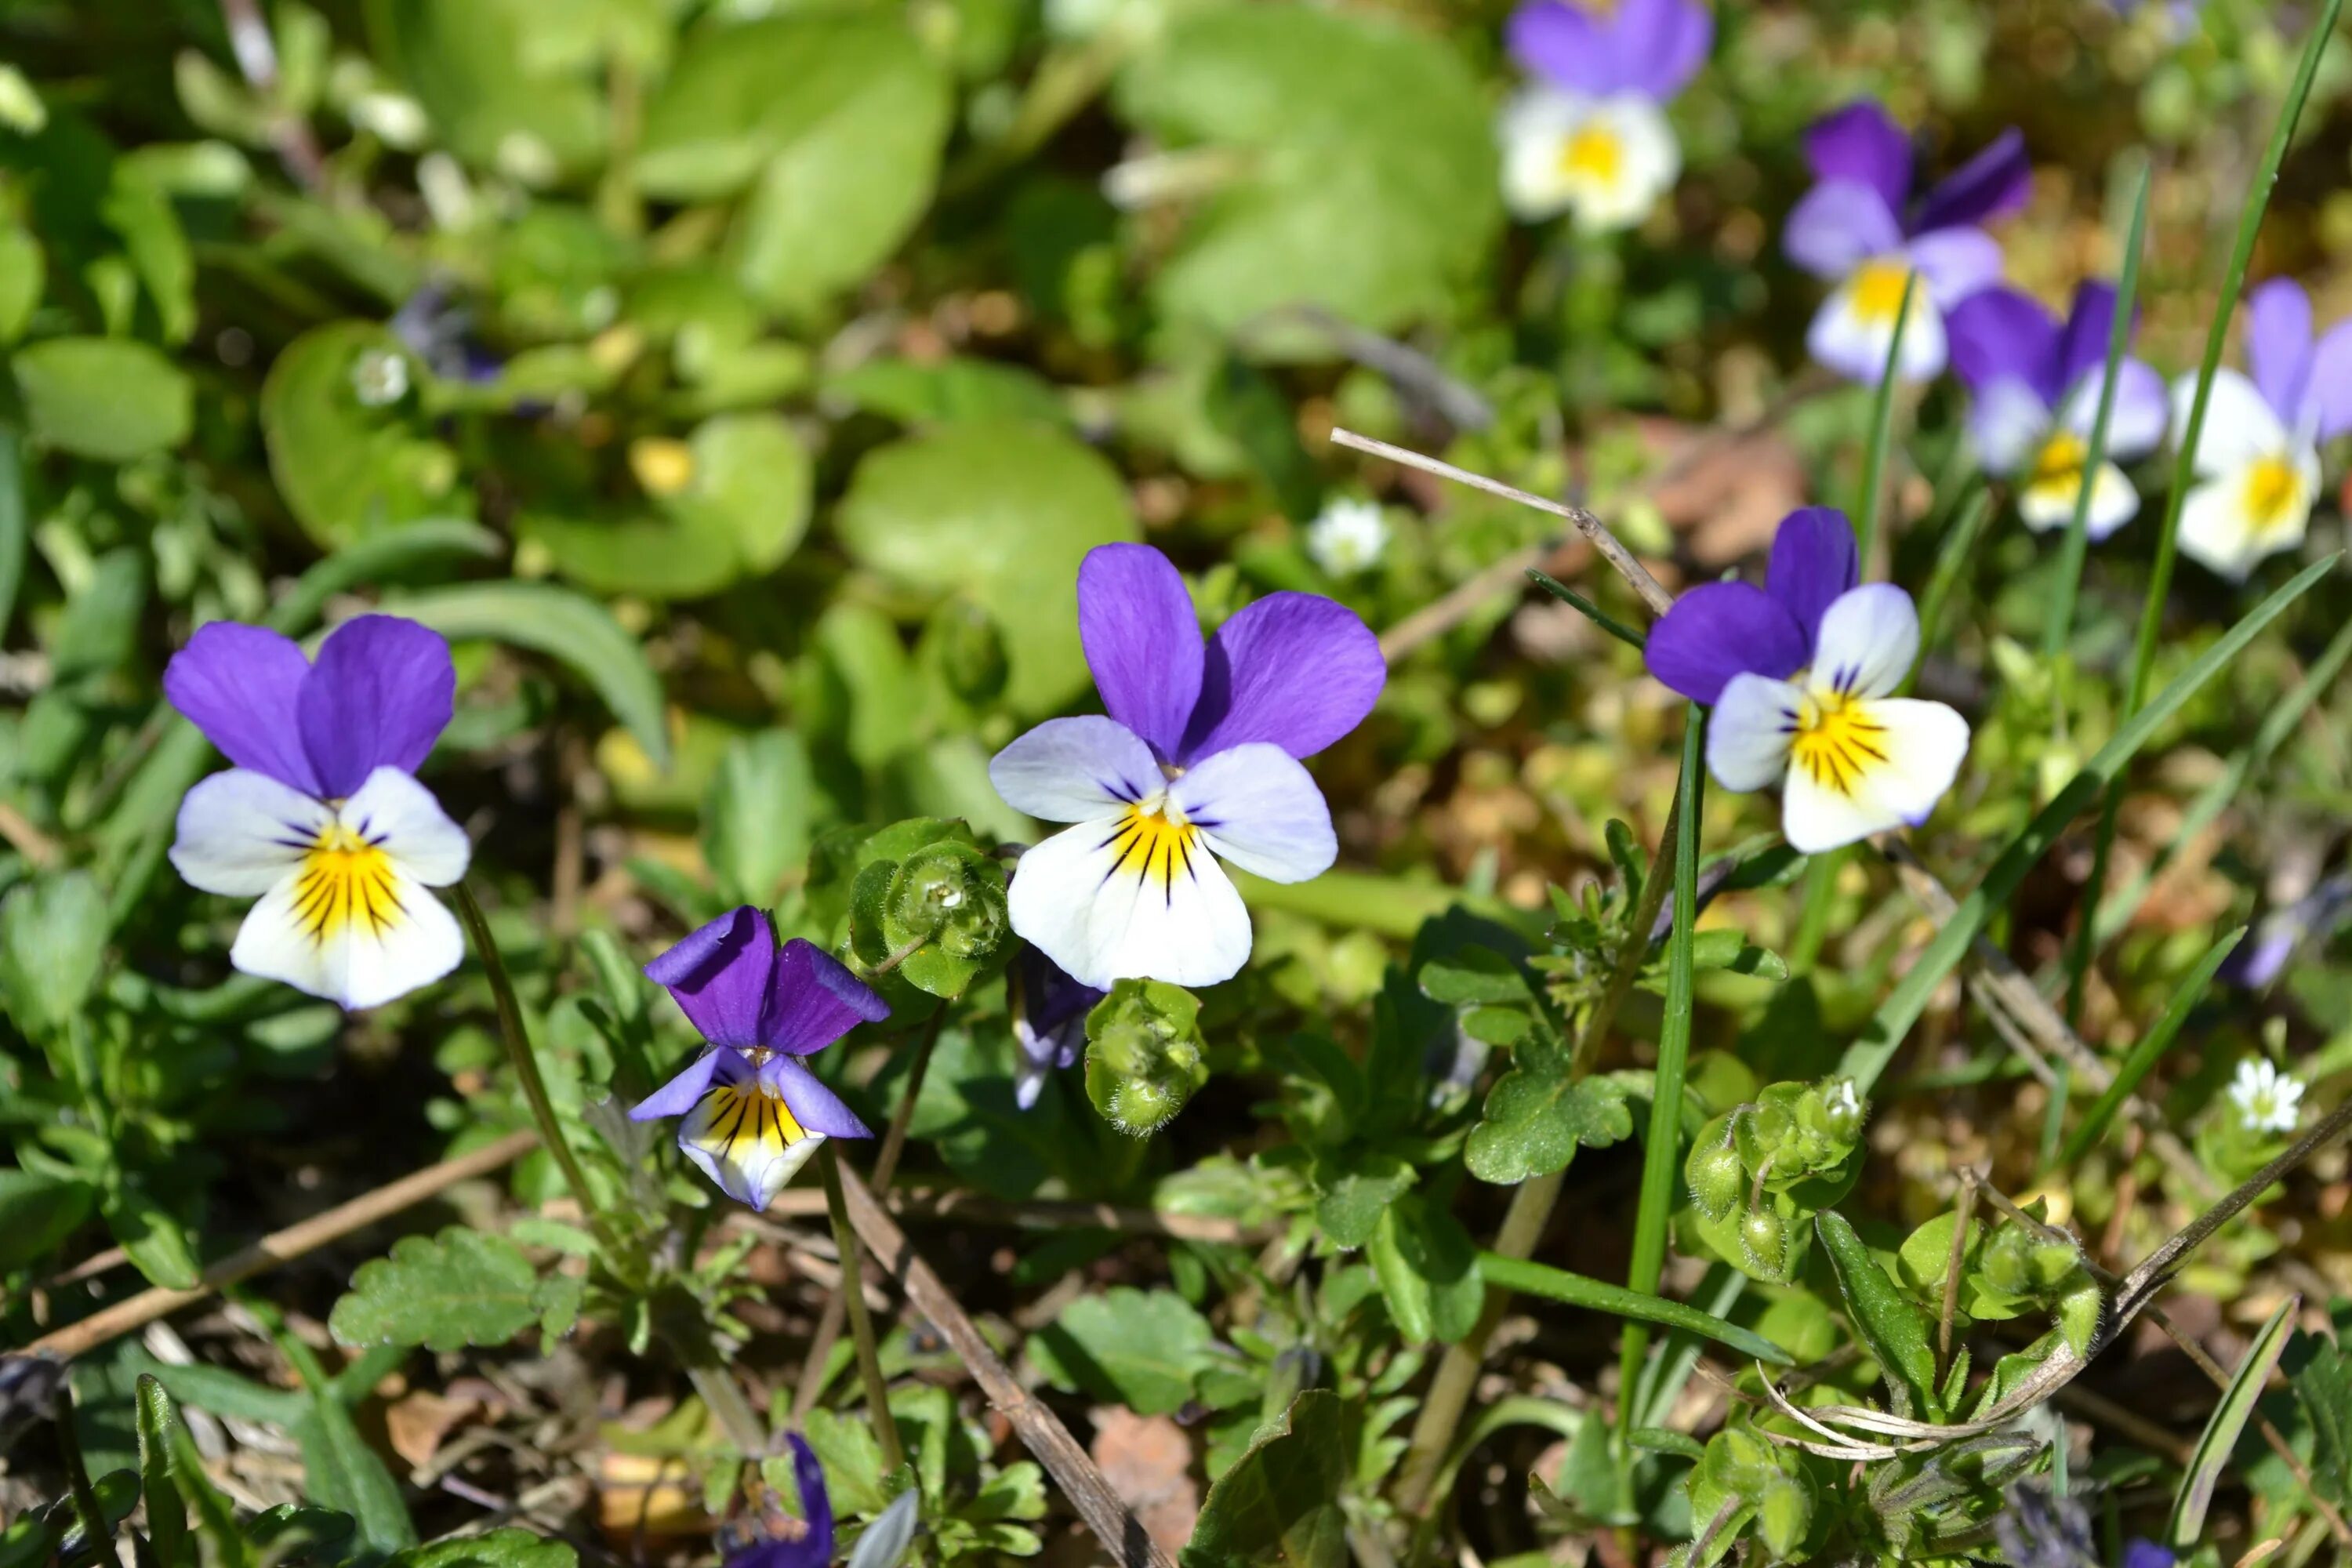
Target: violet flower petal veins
{"points": [[1133, 897], [741, 1137], [381, 693], [1142, 640], [1868, 640], [1258, 807], [1294, 669], [676, 1097], [816, 1108], [720, 975], [241, 832], [1748, 731], [1076, 770], [1719, 630], [242, 686]]}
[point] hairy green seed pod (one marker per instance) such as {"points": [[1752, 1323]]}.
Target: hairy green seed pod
{"points": [[1764, 1240], [1144, 1053], [1716, 1177], [950, 895]]}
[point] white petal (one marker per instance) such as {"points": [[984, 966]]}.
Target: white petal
{"points": [[1868, 638], [1854, 330], [241, 832], [394, 812], [1258, 807], [1902, 762], [1534, 127], [2009, 422], [359, 931], [2236, 518], [2215, 532], [1607, 160], [748, 1144], [1108, 900], [2240, 425], [1646, 163], [2137, 425], [2049, 504], [1747, 733], [1075, 770]]}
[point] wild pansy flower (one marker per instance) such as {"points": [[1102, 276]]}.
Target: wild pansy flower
{"points": [[1859, 229], [1802, 674], [2267, 1100], [753, 1113], [1049, 1020], [1198, 761], [2034, 387], [319, 818], [2257, 459], [804, 1543], [1590, 136]]}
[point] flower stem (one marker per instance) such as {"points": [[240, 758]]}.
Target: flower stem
{"points": [[861, 1324]]}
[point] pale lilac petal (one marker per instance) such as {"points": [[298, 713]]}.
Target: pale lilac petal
{"points": [[813, 1106], [2010, 423], [241, 832], [242, 686], [2330, 391], [676, 1097], [380, 695], [1565, 45], [813, 1000], [2141, 411], [2278, 346], [1993, 183], [1955, 263], [1661, 44], [1867, 642], [1142, 640], [1075, 770], [1837, 226], [720, 975], [1815, 559], [1998, 334], [1258, 809], [1719, 630], [2083, 350], [1298, 670], [1861, 144], [1749, 734]]}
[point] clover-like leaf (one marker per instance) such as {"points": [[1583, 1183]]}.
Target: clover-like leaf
{"points": [[1537, 1114], [461, 1287]]}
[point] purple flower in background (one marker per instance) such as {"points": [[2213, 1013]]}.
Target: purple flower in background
{"points": [[2143, 1553], [2316, 914], [1049, 1020], [1589, 135], [1198, 761], [753, 1113], [1859, 229], [804, 1543], [435, 327], [1802, 674], [319, 818], [2257, 461], [2034, 387]]}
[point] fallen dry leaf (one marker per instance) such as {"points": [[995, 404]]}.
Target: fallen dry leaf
{"points": [[418, 1422], [1147, 1460], [1731, 497]]}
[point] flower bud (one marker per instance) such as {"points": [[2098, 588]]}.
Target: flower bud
{"points": [[1764, 1240], [1716, 1177], [952, 896], [1144, 1053]]}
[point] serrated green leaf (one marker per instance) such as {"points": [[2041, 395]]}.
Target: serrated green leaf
{"points": [[461, 1287], [1537, 1116], [1352, 1194], [1279, 1503]]}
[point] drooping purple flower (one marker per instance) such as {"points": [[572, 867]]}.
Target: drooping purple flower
{"points": [[1589, 135], [1197, 762], [753, 1113], [432, 324], [1859, 229], [2257, 460], [1802, 674], [1049, 1020], [2316, 914], [2034, 385], [804, 1543], [320, 817]]}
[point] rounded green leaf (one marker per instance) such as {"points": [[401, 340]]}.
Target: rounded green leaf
{"points": [[348, 468], [108, 399]]}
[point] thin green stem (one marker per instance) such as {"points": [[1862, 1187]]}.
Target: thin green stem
{"points": [[96, 1533], [2150, 1046], [1665, 1139], [1951, 559], [1591, 612], [861, 1323]]}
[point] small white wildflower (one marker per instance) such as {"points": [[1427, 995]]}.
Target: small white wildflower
{"points": [[1348, 537], [393, 118], [380, 377], [2268, 1101]]}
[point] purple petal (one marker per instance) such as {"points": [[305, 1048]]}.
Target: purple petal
{"points": [[816, 1503], [380, 695], [2330, 391], [2000, 333], [720, 975], [1295, 669], [2140, 1553], [1860, 143], [1661, 44], [1815, 559], [2278, 345], [1563, 44], [1955, 263], [676, 1097], [813, 1106], [242, 686], [813, 1000], [1837, 226], [2083, 350], [1993, 183], [1142, 640], [1719, 630]]}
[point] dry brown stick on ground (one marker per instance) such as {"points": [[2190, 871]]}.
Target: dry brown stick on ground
{"points": [[1040, 1430], [280, 1247]]}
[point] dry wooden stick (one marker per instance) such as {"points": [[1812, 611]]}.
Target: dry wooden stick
{"points": [[284, 1246], [927, 1204], [1040, 1430]]}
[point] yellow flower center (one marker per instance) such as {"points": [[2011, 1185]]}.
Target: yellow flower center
{"points": [[742, 1120], [1878, 289], [1155, 843], [1837, 740], [2059, 462], [2274, 494], [344, 879], [1593, 153]]}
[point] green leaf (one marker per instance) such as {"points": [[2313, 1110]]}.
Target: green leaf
{"points": [[1353, 1194], [461, 1287], [1428, 1270], [100, 629], [953, 389], [1362, 167], [758, 820], [2149, 1049], [157, 1242], [1141, 1348], [497, 1549], [167, 1514], [502, 87], [1889, 1323], [852, 1456], [1279, 1503], [1474, 976], [2227, 1424], [23, 273], [1577, 1290], [140, 213], [348, 470], [1003, 511], [2321, 1375], [1538, 1116], [340, 1470], [52, 943], [37, 1212], [108, 399], [565, 626]]}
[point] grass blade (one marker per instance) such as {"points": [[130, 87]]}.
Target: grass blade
{"points": [[1592, 612], [1867, 1056], [2227, 1424], [1960, 544], [2149, 1046], [1581, 1290], [1663, 1143]]}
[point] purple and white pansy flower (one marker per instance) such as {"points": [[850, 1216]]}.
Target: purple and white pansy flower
{"points": [[1198, 761], [753, 1113], [1588, 136], [1859, 229], [1049, 1021], [1802, 674], [2257, 463], [2035, 386], [785, 1542], [320, 817]]}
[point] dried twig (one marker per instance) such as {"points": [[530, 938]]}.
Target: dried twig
{"points": [[1040, 1430], [27, 840]]}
